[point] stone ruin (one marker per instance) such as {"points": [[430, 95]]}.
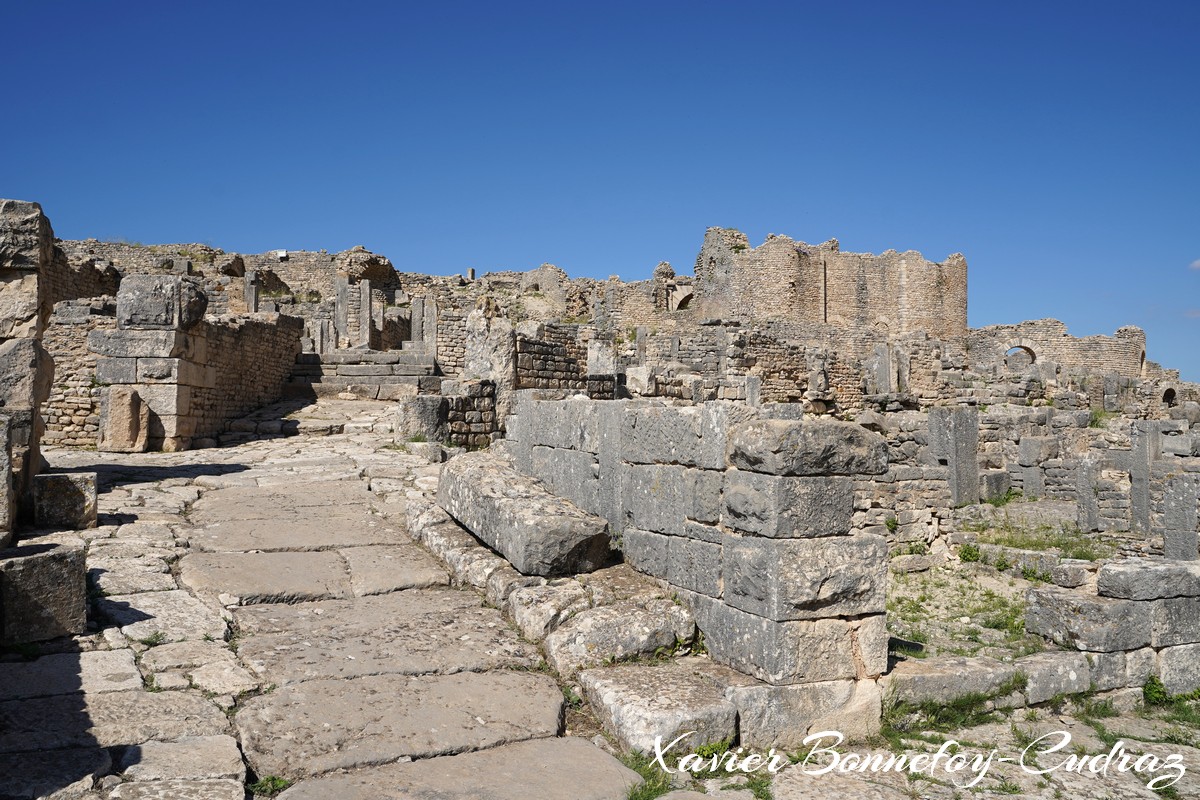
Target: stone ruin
{"points": [[771, 439]]}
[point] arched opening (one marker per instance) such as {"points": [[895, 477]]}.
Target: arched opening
{"points": [[1019, 358], [1169, 398], [687, 299], [533, 288]]}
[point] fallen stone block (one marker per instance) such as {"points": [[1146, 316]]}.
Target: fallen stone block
{"points": [[540, 534], [782, 716], [1034, 451], [612, 633], [641, 703], [43, 592], [65, 500], [793, 579], [1097, 624], [807, 447], [424, 416], [1148, 579], [782, 507]]}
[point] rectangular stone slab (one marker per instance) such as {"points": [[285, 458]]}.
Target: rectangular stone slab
{"points": [[267, 577], [1096, 624], [1148, 579], [809, 446], [317, 726], [538, 533]]}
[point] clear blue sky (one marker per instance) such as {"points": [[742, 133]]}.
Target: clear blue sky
{"points": [[1056, 144]]}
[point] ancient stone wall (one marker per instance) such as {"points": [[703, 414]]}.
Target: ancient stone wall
{"points": [[72, 412], [749, 518], [1047, 340], [451, 342]]}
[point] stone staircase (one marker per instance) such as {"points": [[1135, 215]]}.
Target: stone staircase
{"points": [[365, 374]]}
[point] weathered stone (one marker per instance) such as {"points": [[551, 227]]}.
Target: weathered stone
{"points": [[803, 651], [20, 305], [944, 679], [806, 578], [162, 302], [124, 421], [1035, 451], [130, 575], [317, 726], [139, 343], [782, 716], [379, 569], [188, 758], [43, 592], [1097, 624], [1148, 579], [1071, 573], [267, 577], [1181, 545], [611, 633], [110, 719], [423, 417], [640, 703], [994, 483], [538, 533], [662, 498], [185, 654], [414, 632], [543, 769], [162, 616], [1175, 621], [65, 500], [180, 789], [1051, 674], [954, 443], [661, 434], [222, 678], [26, 238], [52, 774], [64, 673], [1179, 668], [807, 447], [779, 507], [538, 610]]}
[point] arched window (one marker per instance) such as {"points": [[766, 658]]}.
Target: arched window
{"points": [[1169, 398], [1019, 358]]}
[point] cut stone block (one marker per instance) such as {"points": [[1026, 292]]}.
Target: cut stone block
{"points": [[379, 569], [1037, 450], [612, 633], [640, 703], [539, 610], [163, 302], [1179, 668], [189, 758], [1120, 670], [540, 534], [781, 507], [782, 716], [1097, 624], [802, 651], [806, 578], [1050, 674], [688, 563], [124, 420], [318, 726], [179, 789], [267, 577], [1148, 579], [807, 447], [138, 343], [64, 673], [53, 774], [163, 616], [43, 592], [543, 769], [65, 500], [944, 679], [1175, 621]]}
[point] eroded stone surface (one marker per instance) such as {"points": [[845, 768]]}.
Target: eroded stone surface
{"points": [[267, 577], [390, 568], [91, 672], [187, 758], [316, 726], [163, 616]]}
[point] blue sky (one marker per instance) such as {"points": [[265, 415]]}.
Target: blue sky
{"points": [[1055, 144]]}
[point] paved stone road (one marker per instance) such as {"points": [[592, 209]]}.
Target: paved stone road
{"points": [[262, 613]]}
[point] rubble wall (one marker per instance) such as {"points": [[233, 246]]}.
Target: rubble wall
{"points": [[72, 412]]}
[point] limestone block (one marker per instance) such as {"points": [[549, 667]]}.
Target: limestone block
{"points": [[616, 632], [944, 679], [1175, 621], [43, 592], [806, 578], [661, 498], [1181, 545], [540, 534], [1096, 624], [26, 239], [421, 416], [685, 562], [160, 302], [994, 483], [139, 343], [1148, 579], [1035, 451], [1071, 573], [785, 507], [639, 703], [803, 651], [7, 509], [124, 421], [807, 447], [782, 716], [1179, 668], [19, 305], [26, 373], [661, 434], [116, 370], [65, 500], [572, 474], [954, 443], [1050, 674]]}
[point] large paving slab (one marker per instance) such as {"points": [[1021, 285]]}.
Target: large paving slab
{"points": [[543, 769], [321, 530], [179, 790], [69, 773], [414, 632], [189, 758], [169, 616], [267, 577], [92, 672], [106, 720], [378, 569], [314, 727], [272, 503]]}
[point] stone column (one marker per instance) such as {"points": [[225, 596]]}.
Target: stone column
{"points": [[954, 441], [251, 291], [365, 318], [1180, 538]]}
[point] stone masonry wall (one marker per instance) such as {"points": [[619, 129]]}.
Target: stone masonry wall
{"points": [[72, 412], [748, 517]]}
